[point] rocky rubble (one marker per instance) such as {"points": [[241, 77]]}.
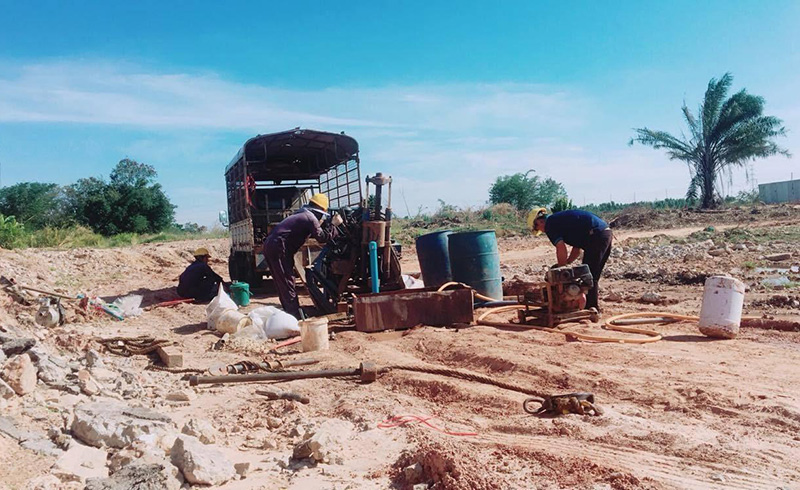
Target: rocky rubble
{"points": [[201, 463]]}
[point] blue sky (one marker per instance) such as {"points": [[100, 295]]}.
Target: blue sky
{"points": [[442, 96]]}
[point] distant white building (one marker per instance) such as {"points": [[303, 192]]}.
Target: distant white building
{"points": [[775, 192]]}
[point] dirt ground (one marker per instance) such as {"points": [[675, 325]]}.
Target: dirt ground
{"points": [[685, 412]]}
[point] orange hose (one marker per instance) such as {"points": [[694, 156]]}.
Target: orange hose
{"points": [[653, 336]]}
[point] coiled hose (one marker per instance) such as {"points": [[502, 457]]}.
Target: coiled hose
{"points": [[610, 324]]}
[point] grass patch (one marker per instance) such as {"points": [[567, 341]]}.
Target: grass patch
{"points": [[83, 237]]}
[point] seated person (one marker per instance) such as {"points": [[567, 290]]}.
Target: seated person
{"points": [[198, 281]]}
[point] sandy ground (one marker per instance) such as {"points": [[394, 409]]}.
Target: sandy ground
{"points": [[685, 412]]}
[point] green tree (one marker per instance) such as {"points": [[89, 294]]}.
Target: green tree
{"points": [[131, 201], [725, 134], [524, 192], [562, 203], [35, 204]]}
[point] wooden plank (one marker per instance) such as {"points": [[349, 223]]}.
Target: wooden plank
{"points": [[171, 356]]}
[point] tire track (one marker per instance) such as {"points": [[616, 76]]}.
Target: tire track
{"points": [[681, 473]]}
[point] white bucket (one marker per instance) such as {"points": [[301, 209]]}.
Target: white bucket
{"points": [[721, 313], [232, 321], [314, 334]]}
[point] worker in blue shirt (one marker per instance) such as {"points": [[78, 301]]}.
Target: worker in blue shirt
{"points": [[581, 230]]}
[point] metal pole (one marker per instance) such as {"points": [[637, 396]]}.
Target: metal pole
{"points": [[373, 266], [243, 378]]}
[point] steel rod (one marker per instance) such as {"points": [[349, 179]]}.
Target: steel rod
{"points": [[281, 376]]}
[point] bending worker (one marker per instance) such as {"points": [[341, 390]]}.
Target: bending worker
{"points": [[583, 231], [199, 281], [286, 239]]}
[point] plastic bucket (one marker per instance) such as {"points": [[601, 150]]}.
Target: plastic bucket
{"points": [[721, 313], [314, 334], [240, 293], [434, 258], [475, 261], [231, 321]]}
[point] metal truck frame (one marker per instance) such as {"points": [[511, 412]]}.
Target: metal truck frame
{"points": [[271, 177]]}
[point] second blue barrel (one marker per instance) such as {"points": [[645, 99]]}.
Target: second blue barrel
{"points": [[475, 261], [434, 258]]}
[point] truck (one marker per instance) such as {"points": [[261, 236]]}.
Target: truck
{"points": [[271, 177]]}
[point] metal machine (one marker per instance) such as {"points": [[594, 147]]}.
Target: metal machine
{"points": [[559, 299], [342, 267]]}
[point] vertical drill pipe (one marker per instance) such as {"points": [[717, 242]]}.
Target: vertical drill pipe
{"points": [[373, 266]]}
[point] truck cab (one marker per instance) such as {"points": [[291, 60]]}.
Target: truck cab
{"points": [[271, 177]]}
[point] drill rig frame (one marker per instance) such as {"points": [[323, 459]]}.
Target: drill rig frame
{"points": [[342, 267]]}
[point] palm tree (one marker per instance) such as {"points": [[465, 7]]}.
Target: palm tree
{"points": [[725, 134]]}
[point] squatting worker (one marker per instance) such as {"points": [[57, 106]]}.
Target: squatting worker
{"points": [[286, 239], [199, 281], [581, 230]]}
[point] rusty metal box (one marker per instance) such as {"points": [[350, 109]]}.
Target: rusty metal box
{"points": [[411, 307]]}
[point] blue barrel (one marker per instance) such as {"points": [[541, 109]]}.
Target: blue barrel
{"points": [[434, 258], [474, 260]]}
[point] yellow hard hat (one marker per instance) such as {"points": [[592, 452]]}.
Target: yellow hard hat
{"points": [[536, 213], [320, 200], [201, 252]]}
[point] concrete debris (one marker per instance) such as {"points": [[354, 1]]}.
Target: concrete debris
{"points": [[325, 441], [199, 463], [154, 476], [718, 252], [6, 391], [80, 463], [652, 298], [181, 396], [242, 469], [202, 430], [3, 357], [42, 446], [778, 257], [20, 374], [414, 473], [274, 422], [8, 426], [12, 346], [93, 358], [117, 425], [47, 482], [88, 384], [52, 370]]}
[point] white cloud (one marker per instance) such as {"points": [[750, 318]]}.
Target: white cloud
{"points": [[439, 141]]}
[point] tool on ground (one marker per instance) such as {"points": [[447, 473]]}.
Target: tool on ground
{"points": [[286, 343], [170, 303], [367, 372], [559, 298], [129, 346], [250, 366], [7, 281], [284, 395], [578, 403], [50, 313]]}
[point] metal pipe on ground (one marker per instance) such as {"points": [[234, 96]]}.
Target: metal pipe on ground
{"points": [[367, 371]]}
